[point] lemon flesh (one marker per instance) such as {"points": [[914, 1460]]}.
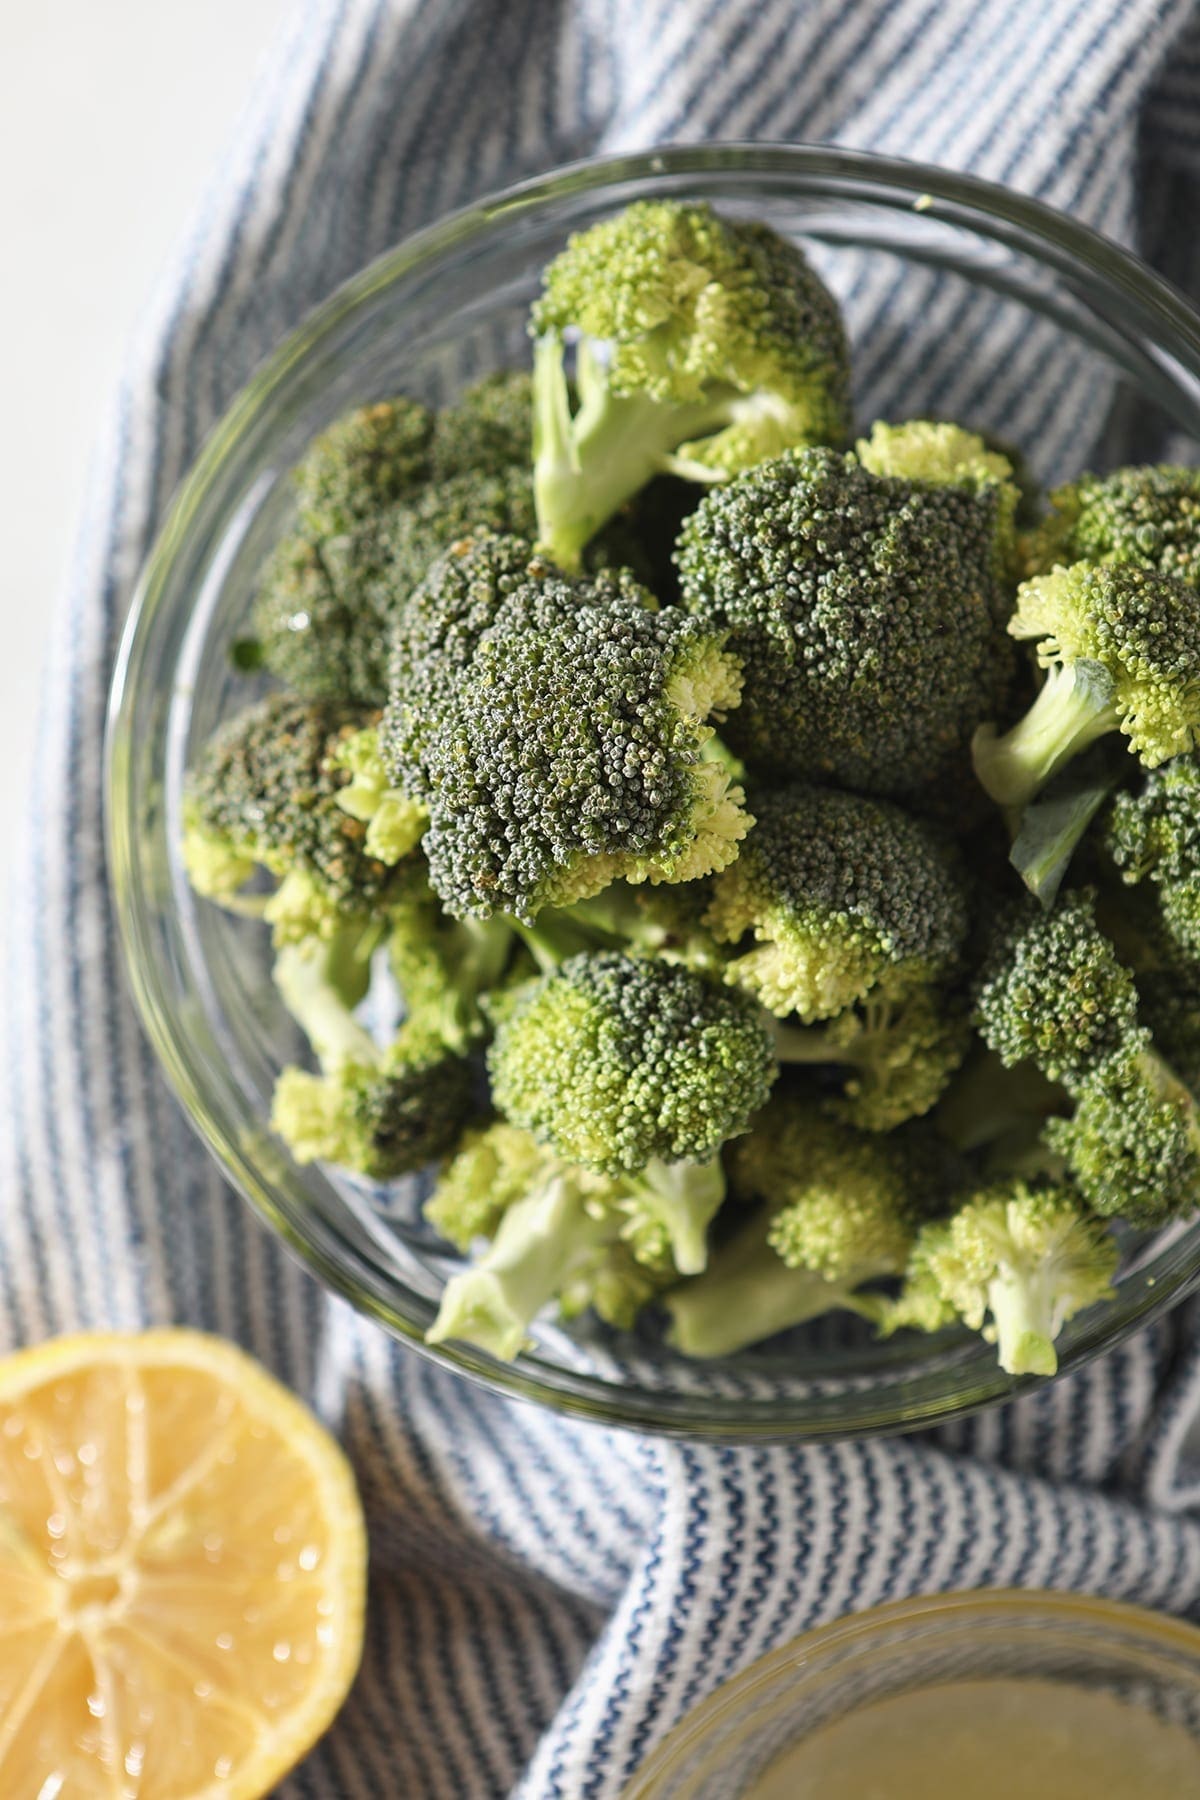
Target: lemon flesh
{"points": [[182, 1571]]}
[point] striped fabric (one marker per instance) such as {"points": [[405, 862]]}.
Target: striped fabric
{"points": [[548, 1599]]}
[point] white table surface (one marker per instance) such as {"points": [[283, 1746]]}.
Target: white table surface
{"points": [[112, 114]]}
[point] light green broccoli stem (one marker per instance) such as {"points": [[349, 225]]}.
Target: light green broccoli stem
{"points": [[682, 1200], [544, 1243], [587, 465], [747, 1294], [319, 984], [1025, 1310], [1074, 707]]}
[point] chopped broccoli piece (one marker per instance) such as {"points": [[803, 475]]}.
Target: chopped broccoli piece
{"points": [[845, 895], [898, 1054], [268, 790], [379, 497], [362, 463], [557, 1240], [395, 824], [1024, 1258], [841, 1210], [382, 1112], [1154, 832], [570, 753], [495, 1165], [436, 637], [445, 968], [1121, 650], [623, 1062], [1146, 516], [1053, 991], [702, 345], [945, 455], [1132, 1144], [865, 609]]}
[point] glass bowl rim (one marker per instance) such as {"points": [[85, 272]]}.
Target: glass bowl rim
{"points": [[1121, 1624], [967, 201]]}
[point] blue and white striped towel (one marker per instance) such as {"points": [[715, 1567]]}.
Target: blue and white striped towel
{"points": [[548, 1599]]}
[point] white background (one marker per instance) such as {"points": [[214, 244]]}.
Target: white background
{"points": [[112, 115]]}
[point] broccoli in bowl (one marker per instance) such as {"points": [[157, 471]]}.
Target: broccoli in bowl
{"points": [[663, 744]]}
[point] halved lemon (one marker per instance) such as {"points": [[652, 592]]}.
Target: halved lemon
{"points": [[182, 1572]]}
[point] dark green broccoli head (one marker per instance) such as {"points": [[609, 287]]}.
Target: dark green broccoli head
{"points": [[489, 427], [360, 464], [702, 345], [617, 1060], [845, 896], [325, 608], [570, 752], [266, 790], [864, 608], [379, 496], [1133, 1142], [1052, 990], [937, 453], [1121, 650], [1154, 833], [436, 634], [1148, 516], [383, 1118]]}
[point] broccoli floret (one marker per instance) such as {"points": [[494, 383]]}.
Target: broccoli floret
{"points": [[620, 1062], [361, 464], [267, 791], [701, 344], [1147, 516], [325, 608], [435, 638], [379, 497], [570, 752], [945, 455], [864, 608], [841, 1210], [489, 427], [1132, 1144], [1121, 650], [557, 1238], [845, 895], [382, 1112], [1053, 991], [898, 1054], [1154, 833], [1023, 1258], [494, 1166]]}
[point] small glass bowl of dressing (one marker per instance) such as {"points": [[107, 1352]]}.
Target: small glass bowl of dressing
{"points": [[984, 1696]]}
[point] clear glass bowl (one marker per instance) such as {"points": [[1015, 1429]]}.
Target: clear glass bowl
{"points": [[720, 1749], [954, 258]]}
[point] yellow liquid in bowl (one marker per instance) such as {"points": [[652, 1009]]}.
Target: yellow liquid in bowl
{"points": [[990, 1740]]}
